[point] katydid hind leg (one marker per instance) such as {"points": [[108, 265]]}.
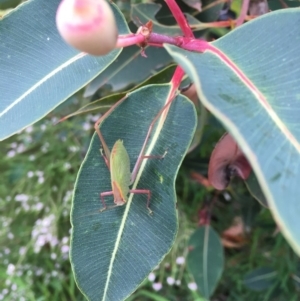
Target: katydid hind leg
{"points": [[141, 155], [135, 171], [143, 191], [102, 195]]}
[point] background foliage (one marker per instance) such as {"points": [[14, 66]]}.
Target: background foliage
{"points": [[39, 166]]}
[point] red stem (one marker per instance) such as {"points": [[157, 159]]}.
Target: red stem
{"points": [[130, 39], [180, 18], [175, 82]]}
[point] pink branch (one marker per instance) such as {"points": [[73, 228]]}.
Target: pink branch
{"points": [[130, 39], [180, 18], [240, 20], [158, 40]]}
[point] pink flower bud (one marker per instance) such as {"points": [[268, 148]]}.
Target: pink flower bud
{"points": [[88, 25]]}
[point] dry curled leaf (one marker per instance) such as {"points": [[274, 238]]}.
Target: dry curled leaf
{"points": [[234, 236], [227, 161]]}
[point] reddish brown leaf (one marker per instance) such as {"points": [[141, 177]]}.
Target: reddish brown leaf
{"points": [[200, 179], [226, 161], [234, 236]]}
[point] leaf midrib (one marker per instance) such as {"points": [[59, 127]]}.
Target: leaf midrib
{"points": [[139, 174], [41, 81], [262, 99]]}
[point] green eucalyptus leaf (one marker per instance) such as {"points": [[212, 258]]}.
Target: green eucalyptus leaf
{"points": [[196, 4], [255, 190], [210, 10], [206, 260], [4, 4], [260, 279], [114, 251], [252, 89], [130, 68], [103, 104], [143, 12], [38, 69], [277, 4], [296, 277]]}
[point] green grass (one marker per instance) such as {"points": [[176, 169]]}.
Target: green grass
{"points": [[38, 171]]}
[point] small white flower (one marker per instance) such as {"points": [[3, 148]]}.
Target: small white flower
{"points": [[67, 196], [10, 235], [170, 280], [39, 173], [21, 198], [151, 277], [6, 223], [53, 256], [192, 286], [14, 287], [67, 165], [25, 206], [65, 249], [30, 174], [5, 291], [28, 139], [180, 260], [39, 272], [41, 180], [157, 286], [29, 129], [10, 269], [31, 157], [21, 148], [54, 241], [39, 206], [43, 127], [86, 126], [22, 250], [65, 240], [227, 196], [94, 118], [1, 297], [54, 273], [45, 147], [19, 273], [178, 282], [11, 154], [54, 119], [13, 145], [6, 251], [73, 149]]}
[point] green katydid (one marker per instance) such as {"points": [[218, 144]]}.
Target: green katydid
{"points": [[118, 163]]}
